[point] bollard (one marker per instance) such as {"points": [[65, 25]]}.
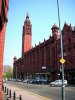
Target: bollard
{"points": [[7, 98], [14, 96], [20, 97], [5, 89], [2, 87], [9, 93]]}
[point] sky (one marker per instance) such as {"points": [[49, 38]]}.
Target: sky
{"points": [[42, 14]]}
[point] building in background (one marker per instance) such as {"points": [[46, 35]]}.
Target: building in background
{"points": [[3, 22], [6, 68], [43, 60]]}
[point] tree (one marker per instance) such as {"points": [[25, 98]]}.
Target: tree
{"points": [[8, 73]]}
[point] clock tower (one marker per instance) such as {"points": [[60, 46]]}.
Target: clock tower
{"points": [[26, 36]]}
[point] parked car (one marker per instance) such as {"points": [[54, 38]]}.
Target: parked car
{"points": [[31, 81], [71, 80], [17, 80], [39, 81], [58, 83], [26, 81]]}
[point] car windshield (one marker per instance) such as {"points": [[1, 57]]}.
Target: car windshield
{"points": [[57, 81]]}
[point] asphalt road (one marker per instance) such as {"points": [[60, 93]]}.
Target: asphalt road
{"points": [[45, 90]]}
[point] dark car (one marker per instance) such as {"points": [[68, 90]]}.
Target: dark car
{"points": [[39, 81]]}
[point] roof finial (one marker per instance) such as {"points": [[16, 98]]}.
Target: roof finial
{"points": [[54, 26], [27, 15]]}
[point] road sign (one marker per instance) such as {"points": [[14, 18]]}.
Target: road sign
{"points": [[44, 67], [62, 60]]}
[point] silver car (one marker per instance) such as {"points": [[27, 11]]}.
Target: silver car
{"points": [[58, 83]]}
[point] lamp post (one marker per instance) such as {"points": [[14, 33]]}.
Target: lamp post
{"points": [[62, 60], [16, 72]]}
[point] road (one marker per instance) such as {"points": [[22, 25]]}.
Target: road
{"points": [[45, 90]]}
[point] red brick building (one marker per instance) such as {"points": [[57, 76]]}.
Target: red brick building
{"points": [[3, 21], [43, 59], [68, 33]]}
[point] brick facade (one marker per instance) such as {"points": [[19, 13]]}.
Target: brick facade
{"points": [[43, 59], [3, 21]]}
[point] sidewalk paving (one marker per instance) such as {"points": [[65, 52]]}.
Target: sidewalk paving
{"points": [[3, 96], [26, 95]]}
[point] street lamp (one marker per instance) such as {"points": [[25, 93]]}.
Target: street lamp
{"points": [[61, 60], [58, 76], [16, 72]]}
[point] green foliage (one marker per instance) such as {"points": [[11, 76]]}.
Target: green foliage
{"points": [[8, 74]]}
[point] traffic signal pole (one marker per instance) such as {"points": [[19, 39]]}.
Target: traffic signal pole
{"points": [[63, 87]]}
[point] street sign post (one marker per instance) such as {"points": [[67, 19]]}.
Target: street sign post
{"points": [[61, 60]]}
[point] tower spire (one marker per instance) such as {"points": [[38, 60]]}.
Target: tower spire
{"points": [[27, 17]]}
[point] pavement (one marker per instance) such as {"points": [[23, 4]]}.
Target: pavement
{"points": [[26, 95]]}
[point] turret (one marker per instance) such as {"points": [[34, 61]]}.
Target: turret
{"points": [[55, 31], [15, 59]]}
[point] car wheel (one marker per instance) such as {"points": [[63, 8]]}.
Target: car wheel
{"points": [[52, 85], [65, 85]]}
